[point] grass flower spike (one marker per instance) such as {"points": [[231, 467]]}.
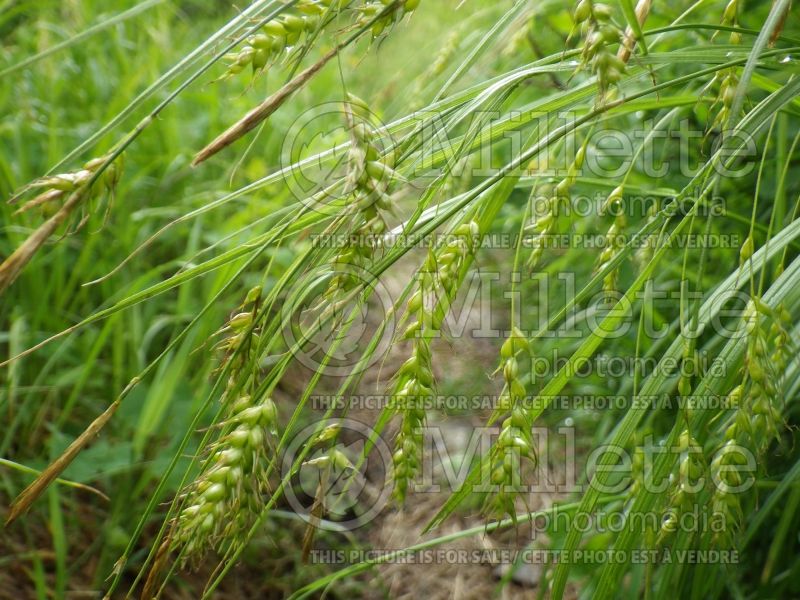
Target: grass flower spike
{"points": [[413, 387]]}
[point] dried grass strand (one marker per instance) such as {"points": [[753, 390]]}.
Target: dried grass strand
{"points": [[13, 265], [29, 495], [264, 110]]}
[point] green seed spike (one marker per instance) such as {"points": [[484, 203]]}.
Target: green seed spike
{"points": [[370, 182]]}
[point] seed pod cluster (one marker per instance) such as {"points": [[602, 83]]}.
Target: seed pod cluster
{"points": [[280, 35], [514, 390], [331, 458], [370, 178], [371, 10], [730, 18], [599, 33], [427, 307], [690, 367], [725, 500], [445, 54], [638, 473], [334, 468], [450, 260], [757, 421], [56, 187], [370, 172], [613, 239], [685, 484], [442, 60], [760, 370], [288, 31], [439, 280], [330, 462], [782, 347], [646, 250], [413, 389], [220, 504], [515, 441], [728, 81], [239, 343], [514, 444], [546, 223]]}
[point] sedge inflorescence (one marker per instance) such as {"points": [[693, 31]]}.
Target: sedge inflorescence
{"points": [[384, 13], [755, 421], [368, 187], [427, 307], [86, 180], [219, 505], [515, 443], [613, 240], [296, 29], [599, 33], [278, 36], [549, 213]]}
